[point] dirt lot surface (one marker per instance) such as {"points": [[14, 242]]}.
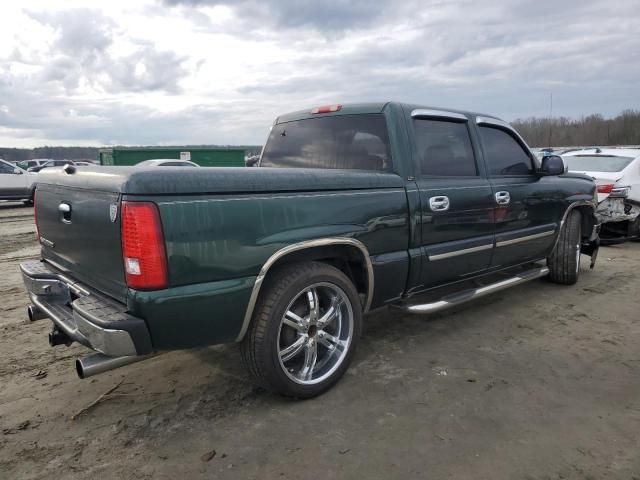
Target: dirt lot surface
{"points": [[537, 382]]}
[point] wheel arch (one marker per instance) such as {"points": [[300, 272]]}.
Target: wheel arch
{"points": [[588, 219], [347, 254]]}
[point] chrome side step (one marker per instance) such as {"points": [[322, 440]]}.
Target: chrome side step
{"points": [[471, 294]]}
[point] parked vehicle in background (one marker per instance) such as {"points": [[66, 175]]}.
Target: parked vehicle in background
{"points": [[35, 162], [166, 162], [252, 160], [540, 153], [51, 163], [616, 172], [352, 208], [16, 183], [82, 163]]}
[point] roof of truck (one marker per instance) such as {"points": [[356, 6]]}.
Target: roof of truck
{"points": [[368, 108]]}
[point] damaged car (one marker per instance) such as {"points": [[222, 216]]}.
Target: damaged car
{"points": [[616, 172]]}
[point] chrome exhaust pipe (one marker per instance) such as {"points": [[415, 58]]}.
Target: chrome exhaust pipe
{"points": [[35, 313], [99, 363]]}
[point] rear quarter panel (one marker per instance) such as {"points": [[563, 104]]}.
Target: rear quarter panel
{"points": [[222, 237], [217, 244]]}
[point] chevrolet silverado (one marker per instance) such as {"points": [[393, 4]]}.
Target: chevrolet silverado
{"points": [[352, 208]]}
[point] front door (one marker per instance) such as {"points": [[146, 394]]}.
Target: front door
{"points": [[456, 199], [12, 184], [524, 202]]}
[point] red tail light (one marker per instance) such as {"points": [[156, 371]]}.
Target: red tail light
{"points": [[35, 214], [145, 259], [605, 188], [327, 109]]}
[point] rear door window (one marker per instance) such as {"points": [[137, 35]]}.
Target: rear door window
{"points": [[444, 148], [597, 163], [504, 154], [6, 168], [175, 164], [357, 142]]}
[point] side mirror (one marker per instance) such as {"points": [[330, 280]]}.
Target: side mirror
{"points": [[17, 171], [552, 165]]}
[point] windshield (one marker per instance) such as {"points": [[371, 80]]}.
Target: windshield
{"points": [[597, 163], [357, 142]]}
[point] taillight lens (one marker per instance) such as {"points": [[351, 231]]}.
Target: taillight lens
{"points": [[35, 214], [327, 109], [145, 259], [605, 188]]}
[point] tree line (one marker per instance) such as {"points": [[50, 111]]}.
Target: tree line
{"points": [[56, 153], [592, 130], [76, 153]]}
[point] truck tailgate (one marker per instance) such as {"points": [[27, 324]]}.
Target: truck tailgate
{"points": [[80, 235]]}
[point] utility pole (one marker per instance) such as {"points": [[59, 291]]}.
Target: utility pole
{"points": [[550, 116]]}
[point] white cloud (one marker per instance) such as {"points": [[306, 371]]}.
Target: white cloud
{"points": [[216, 71]]}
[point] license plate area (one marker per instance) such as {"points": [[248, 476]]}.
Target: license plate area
{"points": [[53, 290]]}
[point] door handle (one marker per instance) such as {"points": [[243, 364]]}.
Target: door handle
{"points": [[439, 204], [503, 198]]}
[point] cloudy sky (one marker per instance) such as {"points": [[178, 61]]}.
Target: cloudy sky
{"points": [[219, 71]]}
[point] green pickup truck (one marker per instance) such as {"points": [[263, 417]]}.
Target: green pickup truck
{"points": [[351, 208]]}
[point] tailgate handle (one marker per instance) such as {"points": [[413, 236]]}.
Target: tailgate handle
{"points": [[65, 210]]}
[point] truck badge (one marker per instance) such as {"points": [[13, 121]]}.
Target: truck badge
{"points": [[113, 212]]}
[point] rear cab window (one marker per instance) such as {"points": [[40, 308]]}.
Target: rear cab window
{"points": [[354, 142], [597, 163]]}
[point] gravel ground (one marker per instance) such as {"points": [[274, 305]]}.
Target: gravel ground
{"points": [[537, 382]]}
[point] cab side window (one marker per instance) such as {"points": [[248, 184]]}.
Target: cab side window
{"points": [[504, 154], [444, 148]]}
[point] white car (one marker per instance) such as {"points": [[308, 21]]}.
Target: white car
{"points": [[166, 162], [616, 172], [16, 183], [34, 162]]}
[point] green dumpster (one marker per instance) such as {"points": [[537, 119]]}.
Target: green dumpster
{"points": [[203, 156]]}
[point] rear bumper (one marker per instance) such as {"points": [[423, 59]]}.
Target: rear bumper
{"points": [[83, 315]]}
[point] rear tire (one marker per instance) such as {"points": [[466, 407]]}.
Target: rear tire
{"points": [[564, 261], [293, 348], [30, 200]]}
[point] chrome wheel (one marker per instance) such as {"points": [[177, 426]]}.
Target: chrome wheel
{"points": [[315, 333], [578, 252]]}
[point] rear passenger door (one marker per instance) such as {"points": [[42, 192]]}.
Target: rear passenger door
{"points": [[456, 199], [525, 204]]}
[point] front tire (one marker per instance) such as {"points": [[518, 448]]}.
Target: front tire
{"points": [[564, 261], [634, 229], [304, 331]]}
